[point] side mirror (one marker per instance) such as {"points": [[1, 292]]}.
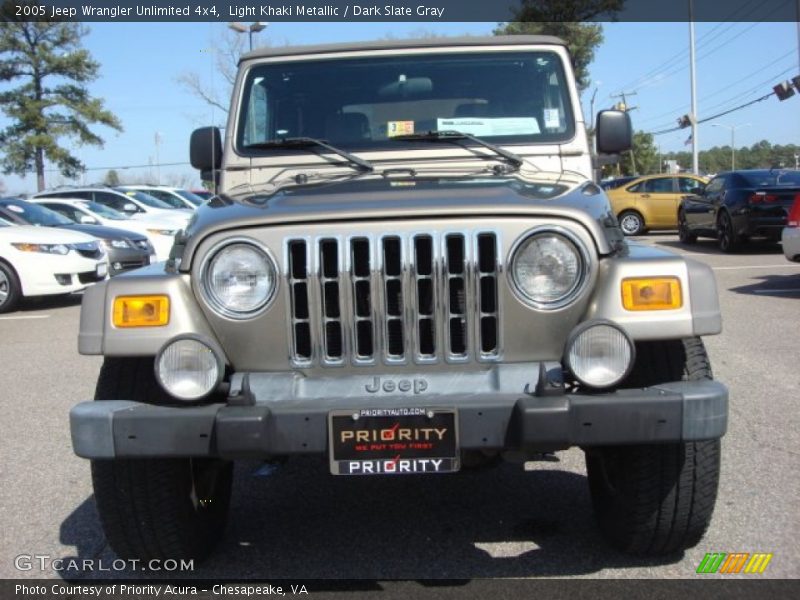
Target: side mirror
{"points": [[205, 150], [614, 132], [87, 220], [129, 207], [697, 191]]}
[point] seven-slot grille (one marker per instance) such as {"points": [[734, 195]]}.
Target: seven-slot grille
{"points": [[393, 299]]}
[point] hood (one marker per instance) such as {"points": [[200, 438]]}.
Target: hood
{"points": [[104, 232], [380, 198], [42, 235]]}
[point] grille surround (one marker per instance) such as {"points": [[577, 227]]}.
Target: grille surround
{"points": [[420, 317]]}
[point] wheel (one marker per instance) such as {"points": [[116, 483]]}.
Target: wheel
{"points": [[10, 290], [631, 222], [157, 508], [684, 233], [727, 238], [657, 499]]}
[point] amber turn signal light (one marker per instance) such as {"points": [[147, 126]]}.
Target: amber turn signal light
{"points": [[651, 293], [141, 311]]}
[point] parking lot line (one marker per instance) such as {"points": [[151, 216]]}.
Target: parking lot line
{"points": [[19, 317], [756, 267]]}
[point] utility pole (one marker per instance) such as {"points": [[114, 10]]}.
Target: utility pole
{"points": [[158, 162], [623, 106], [733, 129], [693, 78]]}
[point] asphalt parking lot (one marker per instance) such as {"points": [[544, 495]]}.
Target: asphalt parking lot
{"points": [[299, 522]]}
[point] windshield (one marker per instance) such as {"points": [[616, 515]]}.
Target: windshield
{"points": [[146, 199], [191, 197], [772, 178], [501, 97], [104, 211], [35, 214]]}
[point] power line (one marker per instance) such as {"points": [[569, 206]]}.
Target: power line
{"points": [[716, 116], [727, 87], [123, 167], [703, 41]]}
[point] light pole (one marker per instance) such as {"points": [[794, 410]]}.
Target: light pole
{"points": [[253, 28], [733, 129]]}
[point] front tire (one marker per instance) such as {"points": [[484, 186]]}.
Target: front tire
{"points": [[10, 289], [657, 499], [631, 222], [157, 508]]}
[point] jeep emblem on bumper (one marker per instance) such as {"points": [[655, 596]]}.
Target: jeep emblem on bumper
{"points": [[404, 385]]}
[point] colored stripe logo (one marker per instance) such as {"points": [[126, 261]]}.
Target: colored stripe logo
{"points": [[733, 563]]}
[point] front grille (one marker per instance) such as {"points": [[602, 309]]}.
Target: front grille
{"points": [[393, 299], [88, 249]]}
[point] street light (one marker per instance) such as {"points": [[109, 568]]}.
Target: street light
{"points": [[733, 129], [253, 28]]}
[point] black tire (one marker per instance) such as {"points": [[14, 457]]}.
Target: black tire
{"points": [[684, 233], [631, 222], [657, 499], [726, 237], [157, 508], [10, 289]]}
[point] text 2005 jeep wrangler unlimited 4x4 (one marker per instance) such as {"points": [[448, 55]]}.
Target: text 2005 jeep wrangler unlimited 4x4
{"points": [[407, 269]]}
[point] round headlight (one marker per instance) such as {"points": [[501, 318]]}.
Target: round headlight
{"points": [[599, 354], [188, 368], [239, 279], [547, 269]]}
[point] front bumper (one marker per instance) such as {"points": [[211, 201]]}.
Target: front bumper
{"points": [[790, 239], [670, 412]]}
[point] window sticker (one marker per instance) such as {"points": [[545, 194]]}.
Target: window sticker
{"points": [[552, 119], [395, 128], [480, 126]]}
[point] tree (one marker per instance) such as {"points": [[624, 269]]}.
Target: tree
{"points": [[111, 178], [563, 18], [52, 101], [643, 157], [217, 91]]}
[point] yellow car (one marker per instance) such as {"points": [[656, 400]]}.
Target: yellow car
{"points": [[651, 202]]}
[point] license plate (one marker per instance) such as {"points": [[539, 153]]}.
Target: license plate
{"points": [[102, 270], [392, 441]]}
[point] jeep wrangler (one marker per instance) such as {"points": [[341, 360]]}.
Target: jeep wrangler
{"points": [[409, 270]]}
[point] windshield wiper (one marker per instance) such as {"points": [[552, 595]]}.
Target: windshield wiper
{"points": [[307, 142], [514, 160]]}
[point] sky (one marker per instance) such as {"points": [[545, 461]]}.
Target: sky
{"points": [[736, 62]]}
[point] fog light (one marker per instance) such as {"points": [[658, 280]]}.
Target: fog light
{"points": [[188, 368], [599, 354]]}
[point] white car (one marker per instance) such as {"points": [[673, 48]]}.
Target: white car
{"points": [[161, 232], [175, 197], [134, 203], [790, 237], [43, 261]]}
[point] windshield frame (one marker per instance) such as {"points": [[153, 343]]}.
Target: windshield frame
{"points": [[571, 117]]}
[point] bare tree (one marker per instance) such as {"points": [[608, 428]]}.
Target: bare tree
{"points": [[215, 88]]}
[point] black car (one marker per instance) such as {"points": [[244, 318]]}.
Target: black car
{"points": [[126, 250], [738, 205]]}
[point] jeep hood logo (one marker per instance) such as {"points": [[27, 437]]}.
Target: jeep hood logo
{"points": [[417, 386]]}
